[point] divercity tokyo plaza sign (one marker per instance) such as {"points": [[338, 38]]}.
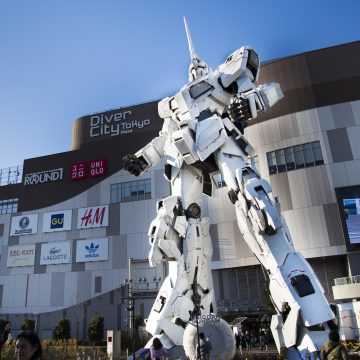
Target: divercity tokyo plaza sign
{"points": [[115, 124], [45, 176]]}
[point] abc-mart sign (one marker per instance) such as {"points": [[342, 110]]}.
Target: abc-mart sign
{"points": [[55, 253], [92, 250], [21, 255], [24, 225], [45, 176], [57, 221]]}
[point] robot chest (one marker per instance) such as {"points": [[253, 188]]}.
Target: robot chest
{"points": [[209, 135]]}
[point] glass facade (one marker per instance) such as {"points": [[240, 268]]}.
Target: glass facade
{"points": [[130, 191], [295, 157], [8, 206]]}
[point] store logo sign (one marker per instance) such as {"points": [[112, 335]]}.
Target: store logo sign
{"points": [[24, 225], [92, 251], [80, 171], [21, 255], [24, 222], [93, 217], [41, 177], [55, 253], [57, 221], [97, 168]]}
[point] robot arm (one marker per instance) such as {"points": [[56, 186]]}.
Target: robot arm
{"points": [[145, 158], [247, 105]]}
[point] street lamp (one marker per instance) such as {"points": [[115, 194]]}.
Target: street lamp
{"points": [[131, 309]]}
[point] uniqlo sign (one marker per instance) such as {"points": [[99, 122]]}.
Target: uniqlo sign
{"points": [[91, 217], [97, 168], [78, 171]]}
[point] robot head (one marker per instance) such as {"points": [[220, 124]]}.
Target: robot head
{"points": [[198, 68], [237, 63]]}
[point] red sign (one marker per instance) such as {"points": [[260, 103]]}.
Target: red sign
{"points": [[78, 171], [97, 168]]}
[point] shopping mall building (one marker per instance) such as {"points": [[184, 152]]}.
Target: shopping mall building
{"points": [[73, 225]]}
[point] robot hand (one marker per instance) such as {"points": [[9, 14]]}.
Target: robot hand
{"points": [[134, 165], [239, 112]]}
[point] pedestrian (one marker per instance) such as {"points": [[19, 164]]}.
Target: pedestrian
{"points": [[6, 335], [262, 340], [238, 342], [157, 351], [28, 346], [247, 341], [333, 349], [205, 347]]}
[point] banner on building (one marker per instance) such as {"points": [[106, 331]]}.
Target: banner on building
{"points": [[96, 216], [55, 253], [24, 225], [57, 221], [92, 250], [21, 255]]}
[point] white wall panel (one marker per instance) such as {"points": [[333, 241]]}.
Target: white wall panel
{"points": [[338, 174], [354, 138], [127, 224], [308, 122], [142, 218], [271, 131], [70, 291], [352, 169], [326, 120], [355, 107], [19, 290], [299, 189], [316, 227]]}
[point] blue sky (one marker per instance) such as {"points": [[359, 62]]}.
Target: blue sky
{"points": [[60, 60]]}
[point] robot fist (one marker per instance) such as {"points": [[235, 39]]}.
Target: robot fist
{"points": [[134, 165], [239, 112]]}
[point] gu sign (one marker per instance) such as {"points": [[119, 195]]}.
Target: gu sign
{"points": [[57, 221], [92, 217], [24, 225], [92, 250]]}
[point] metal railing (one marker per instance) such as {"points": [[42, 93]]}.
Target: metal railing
{"points": [[347, 280], [11, 175]]}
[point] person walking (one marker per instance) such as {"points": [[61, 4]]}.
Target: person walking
{"points": [[333, 349], [238, 343], [247, 341], [205, 348], [28, 346]]}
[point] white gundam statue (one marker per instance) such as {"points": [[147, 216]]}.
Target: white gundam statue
{"points": [[203, 132]]}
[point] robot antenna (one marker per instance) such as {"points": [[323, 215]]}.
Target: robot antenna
{"points": [[191, 46]]}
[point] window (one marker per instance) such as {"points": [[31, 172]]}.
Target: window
{"points": [[12, 175], [97, 284], [295, 157], [8, 206], [130, 191]]}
